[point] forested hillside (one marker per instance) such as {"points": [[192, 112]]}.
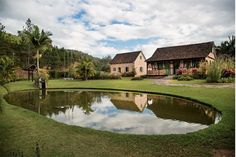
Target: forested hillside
{"points": [[53, 58]]}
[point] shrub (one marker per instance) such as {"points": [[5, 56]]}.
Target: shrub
{"points": [[226, 80], [137, 78], [197, 74], [194, 70], [175, 77], [143, 76], [129, 74], [103, 76], [179, 71], [7, 69], [185, 78], [43, 73], [228, 73]]}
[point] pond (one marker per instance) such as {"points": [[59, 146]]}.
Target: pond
{"points": [[117, 111]]}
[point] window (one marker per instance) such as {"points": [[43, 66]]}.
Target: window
{"points": [[140, 57], [166, 64], [195, 63], [126, 69], [141, 69], [160, 65], [114, 69], [119, 69], [187, 64]]}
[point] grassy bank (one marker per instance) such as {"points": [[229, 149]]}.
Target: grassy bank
{"points": [[21, 129]]}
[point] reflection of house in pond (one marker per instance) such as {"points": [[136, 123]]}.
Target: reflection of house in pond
{"points": [[177, 109], [129, 101]]}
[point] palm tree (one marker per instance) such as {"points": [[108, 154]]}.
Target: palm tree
{"points": [[86, 69], [7, 72], [227, 47], [40, 41]]}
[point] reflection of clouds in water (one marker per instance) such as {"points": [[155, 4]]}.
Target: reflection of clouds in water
{"points": [[107, 117]]}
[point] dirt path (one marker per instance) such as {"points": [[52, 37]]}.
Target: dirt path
{"points": [[168, 81]]}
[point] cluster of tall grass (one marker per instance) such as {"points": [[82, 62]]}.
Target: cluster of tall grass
{"points": [[216, 70]]}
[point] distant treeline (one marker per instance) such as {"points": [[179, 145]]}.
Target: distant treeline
{"points": [[54, 58]]}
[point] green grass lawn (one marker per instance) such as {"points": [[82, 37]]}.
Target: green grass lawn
{"points": [[20, 129]]}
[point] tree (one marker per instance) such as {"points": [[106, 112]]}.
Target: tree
{"points": [[40, 40], [7, 72], [227, 48], [2, 27], [86, 69], [25, 42], [103, 64]]}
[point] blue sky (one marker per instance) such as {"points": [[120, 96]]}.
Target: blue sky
{"points": [[107, 27]]}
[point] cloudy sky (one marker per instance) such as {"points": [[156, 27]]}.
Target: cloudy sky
{"points": [[106, 27]]}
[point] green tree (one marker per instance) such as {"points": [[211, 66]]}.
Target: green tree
{"points": [[40, 40], [227, 48], [86, 69], [7, 72], [103, 64], [2, 27], [25, 42]]}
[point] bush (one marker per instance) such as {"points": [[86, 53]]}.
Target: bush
{"points": [[179, 71], [137, 78], [104, 76], [143, 76], [198, 75], [129, 74], [43, 73], [7, 69], [226, 80], [175, 77], [185, 78], [228, 73]]}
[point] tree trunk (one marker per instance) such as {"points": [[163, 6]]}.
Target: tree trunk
{"points": [[37, 57], [86, 75]]}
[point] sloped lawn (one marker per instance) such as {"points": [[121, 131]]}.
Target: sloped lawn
{"points": [[21, 129]]}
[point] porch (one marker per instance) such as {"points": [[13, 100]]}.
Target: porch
{"points": [[163, 68]]}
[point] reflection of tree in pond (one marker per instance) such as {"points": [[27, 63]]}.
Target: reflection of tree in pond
{"points": [[183, 110], [85, 101], [55, 101]]}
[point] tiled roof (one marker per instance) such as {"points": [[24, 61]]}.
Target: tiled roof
{"points": [[128, 57], [199, 50]]}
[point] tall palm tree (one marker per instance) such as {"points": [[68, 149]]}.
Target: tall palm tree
{"points": [[86, 69], [40, 40]]}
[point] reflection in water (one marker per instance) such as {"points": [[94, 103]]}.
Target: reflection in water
{"points": [[122, 112]]}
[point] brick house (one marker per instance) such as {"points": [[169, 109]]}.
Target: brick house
{"points": [[128, 62], [167, 60]]}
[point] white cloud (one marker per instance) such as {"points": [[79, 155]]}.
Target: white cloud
{"points": [[173, 23]]}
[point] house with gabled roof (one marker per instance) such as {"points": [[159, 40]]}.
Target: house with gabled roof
{"points": [[128, 62], [168, 60]]}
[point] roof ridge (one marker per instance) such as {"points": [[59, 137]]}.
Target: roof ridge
{"points": [[129, 52], [186, 45]]}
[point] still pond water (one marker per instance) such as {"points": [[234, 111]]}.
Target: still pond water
{"points": [[120, 112]]}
